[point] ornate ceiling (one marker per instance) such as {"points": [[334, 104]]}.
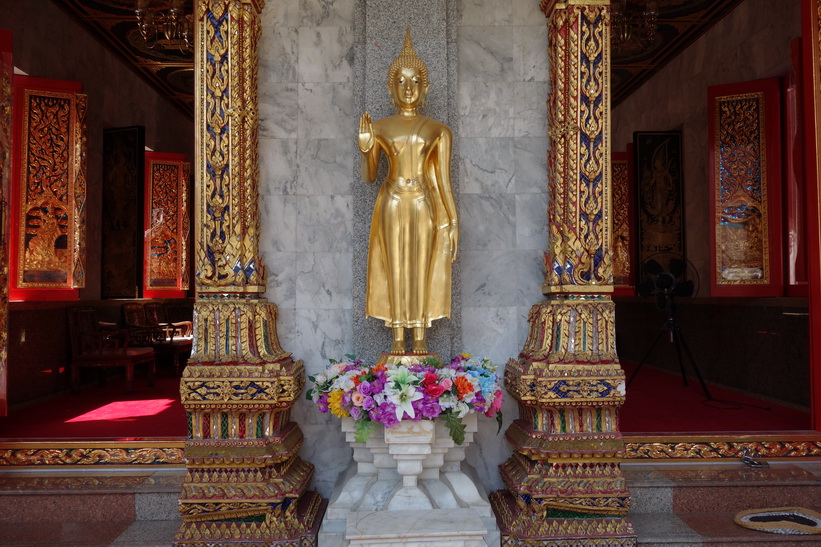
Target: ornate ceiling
{"points": [[113, 23], [680, 22]]}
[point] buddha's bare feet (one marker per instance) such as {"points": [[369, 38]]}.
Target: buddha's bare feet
{"points": [[420, 347], [398, 347]]}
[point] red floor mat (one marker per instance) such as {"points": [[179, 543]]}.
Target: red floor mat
{"points": [[103, 412], [659, 402]]}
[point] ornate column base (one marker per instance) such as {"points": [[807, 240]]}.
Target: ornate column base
{"points": [[246, 484], [563, 480]]}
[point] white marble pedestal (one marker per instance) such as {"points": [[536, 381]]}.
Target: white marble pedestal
{"points": [[410, 473]]}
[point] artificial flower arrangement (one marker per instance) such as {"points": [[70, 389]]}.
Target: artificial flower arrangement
{"points": [[389, 394]]}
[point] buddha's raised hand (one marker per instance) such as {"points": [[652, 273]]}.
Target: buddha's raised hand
{"points": [[366, 138]]}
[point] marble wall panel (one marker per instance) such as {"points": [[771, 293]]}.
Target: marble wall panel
{"points": [[531, 221], [323, 282], [278, 166], [486, 165], [530, 158], [486, 109], [325, 54], [492, 221], [324, 223], [484, 13], [486, 53], [318, 13], [281, 282], [278, 54], [325, 110], [324, 166], [277, 109], [278, 223]]}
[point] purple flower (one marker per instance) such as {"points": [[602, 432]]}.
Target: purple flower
{"points": [[322, 403], [365, 388], [368, 403], [386, 413], [427, 407], [356, 412]]}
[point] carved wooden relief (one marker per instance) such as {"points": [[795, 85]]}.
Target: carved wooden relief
{"points": [[49, 184], [745, 180], [166, 224]]}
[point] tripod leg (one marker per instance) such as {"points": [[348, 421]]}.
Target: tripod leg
{"points": [[680, 337], [644, 359], [674, 334]]}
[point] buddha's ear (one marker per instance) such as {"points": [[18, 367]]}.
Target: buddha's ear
{"points": [[424, 95], [392, 93]]}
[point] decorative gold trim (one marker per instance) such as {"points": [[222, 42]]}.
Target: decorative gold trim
{"points": [[170, 452], [91, 453], [718, 447]]}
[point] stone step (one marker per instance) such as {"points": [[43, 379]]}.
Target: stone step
{"points": [[695, 504], [673, 504], [721, 487], [96, 495]]}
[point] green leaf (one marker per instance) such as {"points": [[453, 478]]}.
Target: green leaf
{"points": [[311, 378], [499, 421], [308, 394], [350, 357], [456, 427], [432, 362], [363, 428]]}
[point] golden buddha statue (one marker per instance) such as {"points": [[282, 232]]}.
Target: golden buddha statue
{"points": [[414, 230]]}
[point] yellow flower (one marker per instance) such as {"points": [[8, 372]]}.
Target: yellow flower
{"points": [[335, 404]]}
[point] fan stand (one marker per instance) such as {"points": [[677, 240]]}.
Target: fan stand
{"points": [[676, 337]]}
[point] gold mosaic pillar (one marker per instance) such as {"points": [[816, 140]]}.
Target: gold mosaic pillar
{"points": [[563, 481], [245, 482]]}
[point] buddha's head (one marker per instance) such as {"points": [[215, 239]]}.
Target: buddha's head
{"points": [[408, 77]]}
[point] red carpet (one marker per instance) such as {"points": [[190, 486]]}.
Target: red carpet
{"points": [[658, 402], [103, 413]]}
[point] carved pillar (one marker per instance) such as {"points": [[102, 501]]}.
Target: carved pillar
{"points": [[245, 482], [564, 479]]}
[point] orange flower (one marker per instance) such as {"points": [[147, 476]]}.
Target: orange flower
{"points": [[463, 386], [377, 368]]}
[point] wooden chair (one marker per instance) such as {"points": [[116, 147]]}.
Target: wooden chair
{"points": [[92, 346], [147, 322]]}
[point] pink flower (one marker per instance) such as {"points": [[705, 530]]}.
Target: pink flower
{"points": [[495, 405], [357, 398], [446, 383]]}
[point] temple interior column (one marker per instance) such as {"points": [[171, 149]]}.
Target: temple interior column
{"points": [[564, 479], [245, 480]]}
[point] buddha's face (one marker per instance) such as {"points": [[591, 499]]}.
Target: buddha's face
{"points": [[409, 88]]}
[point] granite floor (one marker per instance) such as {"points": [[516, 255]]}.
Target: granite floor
{"points": [[673, 504]]}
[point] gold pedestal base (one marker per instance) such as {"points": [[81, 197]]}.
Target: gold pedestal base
{"points": [[405, 358]]}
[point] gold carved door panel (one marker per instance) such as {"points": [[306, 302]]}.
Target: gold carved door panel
{"points": [[48, 189]]}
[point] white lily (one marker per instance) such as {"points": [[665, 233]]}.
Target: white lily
{"points": [[403, 399]]}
